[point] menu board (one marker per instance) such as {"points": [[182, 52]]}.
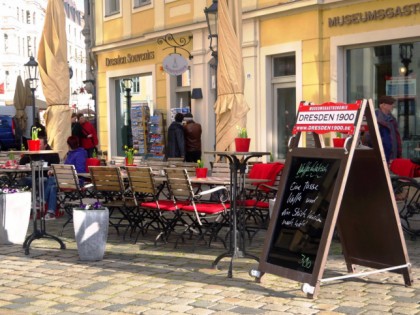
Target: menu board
{"points": [[302, 213]]}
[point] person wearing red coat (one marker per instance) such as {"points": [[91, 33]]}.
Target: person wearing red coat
{"points": [[89, 138]]}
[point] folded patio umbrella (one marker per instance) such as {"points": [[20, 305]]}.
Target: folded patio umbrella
{"points": [[54, 72], [230, 108]]}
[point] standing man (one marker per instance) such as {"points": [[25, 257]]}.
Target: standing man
{"points": [[176, 142], [89, 140], [388, 128], [192, 133]]}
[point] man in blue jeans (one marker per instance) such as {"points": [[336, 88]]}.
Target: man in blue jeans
{"points": [[50, 197]]}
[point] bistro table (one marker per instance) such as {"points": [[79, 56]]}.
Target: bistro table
{"points": [[37, 170], [237, 163], [11, 172]]}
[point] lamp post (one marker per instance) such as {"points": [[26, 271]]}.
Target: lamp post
{"points": [[126, 85], [32, 74], [211, 19], [406, 54]]}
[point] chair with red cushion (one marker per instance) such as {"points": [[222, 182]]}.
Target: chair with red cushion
{"points": [[160, 214], [202, 218], [256, 202]]}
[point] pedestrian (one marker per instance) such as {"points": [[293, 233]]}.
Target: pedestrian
{"points": [[76, 156], [192, 134], [89, 140], [388, 129], [176, 142], [76, 128]]}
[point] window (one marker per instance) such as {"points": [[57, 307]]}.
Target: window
{"points": [[28, 17], [283, 66], [140, 3], [112, 7], [136, 85], [6, 42], [29, 45], [389, 70]]}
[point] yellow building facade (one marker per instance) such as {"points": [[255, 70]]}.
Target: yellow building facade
{"points": [[313, 50]]}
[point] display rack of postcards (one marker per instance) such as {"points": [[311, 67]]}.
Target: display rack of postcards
{"points": [[140, 115], [156, 140], [182, 110]]}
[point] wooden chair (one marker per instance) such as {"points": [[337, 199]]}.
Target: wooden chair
{"points": [[203, 218], [109, 189], [69, 192], [162, 214]]}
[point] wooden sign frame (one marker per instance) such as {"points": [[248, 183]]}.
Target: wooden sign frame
{"points": [[360, 203]]}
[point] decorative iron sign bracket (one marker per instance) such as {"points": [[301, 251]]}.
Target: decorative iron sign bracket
{"points": [[175, 44]]}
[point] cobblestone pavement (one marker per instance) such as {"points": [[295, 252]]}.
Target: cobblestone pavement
{"points": [[143, 278]]}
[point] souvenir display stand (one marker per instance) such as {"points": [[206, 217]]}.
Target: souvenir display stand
{"points": [[322, 189], [38, 190]]}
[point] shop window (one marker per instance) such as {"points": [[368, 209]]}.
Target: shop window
{"points": [[140, 3], [112, 7], [389, 70]]}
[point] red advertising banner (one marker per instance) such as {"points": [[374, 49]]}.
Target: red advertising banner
{"points": [[327, 117]]}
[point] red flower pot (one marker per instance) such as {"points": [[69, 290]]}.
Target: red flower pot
{"points": [[34, 145], [129, 163], [201, 172], [92, 162], [242, 144], [339, 142]]}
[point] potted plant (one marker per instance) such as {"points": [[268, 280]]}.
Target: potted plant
{"points": [[200, 170], [93, 161], [129, 155], [242, 141], [338, 141], [90, 224], [15, 211], [34, 143]]}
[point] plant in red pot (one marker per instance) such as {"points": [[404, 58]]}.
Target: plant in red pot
{"points": [[200, 170], [129, 155], [34, 144], [242, 141], [338, 142], [93, 161]]}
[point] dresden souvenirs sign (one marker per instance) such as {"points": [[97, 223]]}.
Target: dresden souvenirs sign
{"points": [[175, 64], [129, 58], [328, 117]]}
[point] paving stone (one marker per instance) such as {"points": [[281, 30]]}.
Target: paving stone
{"points": [[146, 279]]}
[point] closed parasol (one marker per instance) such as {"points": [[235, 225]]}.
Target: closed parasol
{"points": [[20, 100], [230, 108], [54, 73]]}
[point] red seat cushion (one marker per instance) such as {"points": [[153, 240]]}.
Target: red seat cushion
{"points": [[266, 171], [404, 167], [253, 203], [207, 208], [166, 205]]}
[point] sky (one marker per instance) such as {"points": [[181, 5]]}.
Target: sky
{"points": [[80, 4]]}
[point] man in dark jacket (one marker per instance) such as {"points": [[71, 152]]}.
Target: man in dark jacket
{"points": [[192, 133], [176, 142], [388, 129]]}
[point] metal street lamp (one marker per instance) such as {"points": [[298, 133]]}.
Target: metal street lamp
{"points": [[32, 74], [127, 84], [211, 19]]}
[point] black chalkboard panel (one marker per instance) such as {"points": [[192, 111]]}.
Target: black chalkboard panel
{"points": [[302, 213]]}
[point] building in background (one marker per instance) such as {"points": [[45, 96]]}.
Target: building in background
{"points": [[21, 24], [313, 50]]}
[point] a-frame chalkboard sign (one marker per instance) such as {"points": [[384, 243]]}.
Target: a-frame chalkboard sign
{"points": [[324, 188]]}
